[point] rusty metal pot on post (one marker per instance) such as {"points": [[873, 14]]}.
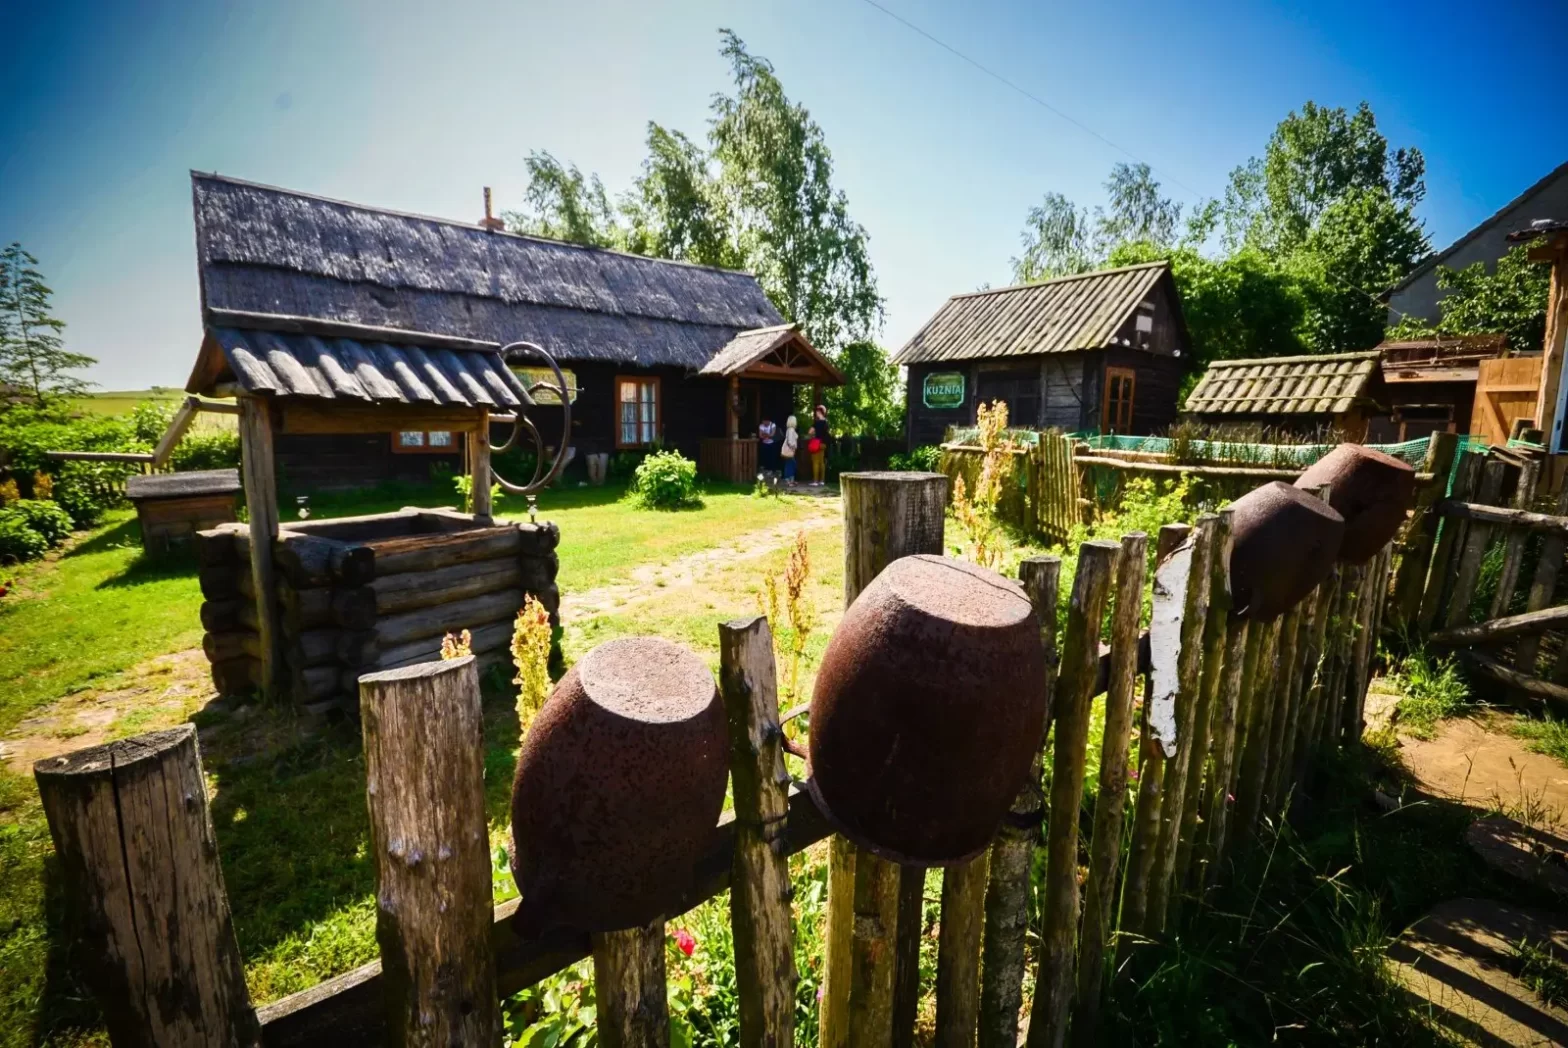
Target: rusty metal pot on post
{"points": [[928, 705], [619, 787], [1371, 490], [1284, 542]]}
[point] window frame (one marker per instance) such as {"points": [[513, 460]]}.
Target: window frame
{"points": [[1107, 403], [424, 447], [658, 411]]}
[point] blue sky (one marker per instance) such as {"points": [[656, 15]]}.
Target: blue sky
{"points": [[417, 106]]}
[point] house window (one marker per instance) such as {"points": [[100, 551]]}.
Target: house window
{"points": [[1117, 414], [637, 401], [416, 441]]}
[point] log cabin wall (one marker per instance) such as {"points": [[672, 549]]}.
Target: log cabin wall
{"points": [[373, 593], [345, 461]]}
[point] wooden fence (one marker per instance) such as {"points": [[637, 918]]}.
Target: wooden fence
{"points": [[1235, 714], [1043, 494]]}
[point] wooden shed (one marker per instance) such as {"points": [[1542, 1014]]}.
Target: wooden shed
{"points": [[172, 507], [1431, 384], [1100, 351], [1335, 393], [657, 352]]}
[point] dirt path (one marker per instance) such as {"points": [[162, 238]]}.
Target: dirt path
{"points": [[1476, 760], [159, 692], [650, 580]]}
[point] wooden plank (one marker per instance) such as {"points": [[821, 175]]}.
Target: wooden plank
{"points": [[1530, 685], [1542, 586], [1477, 539], [305, 417], [629, 988], [1226, 730], [1151, 781], [1493, 630], [1009, 889], [1471, 511], [1449, 541], [479, 468], [1254, 761], [760, 887], [423, 589], [958, 953], [1189, 672], [1513, 554], [1279, 727], [261, 501], [179, 425], [1105, 842], [427, 552], [1055, 981], [395, 630], [142, 886], [1420, 534]]}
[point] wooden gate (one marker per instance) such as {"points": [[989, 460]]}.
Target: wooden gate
{"points": [[1505, 390]]}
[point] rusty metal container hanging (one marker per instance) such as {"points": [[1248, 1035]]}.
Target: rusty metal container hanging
{"points": [[1371, 490], [929, 703], [620, 783], [1284, 542]]}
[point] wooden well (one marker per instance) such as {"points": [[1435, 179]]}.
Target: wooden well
{"points": [[361, 594]]}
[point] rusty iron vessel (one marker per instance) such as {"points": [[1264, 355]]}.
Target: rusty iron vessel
{"points": [[1284, 542], [1371, 490]]}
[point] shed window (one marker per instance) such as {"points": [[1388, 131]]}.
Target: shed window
{"points": [[1116, 416], [412, 441], [637, 400]]}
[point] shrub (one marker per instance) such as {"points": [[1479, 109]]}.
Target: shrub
{"points": [[666, 480], [18, 541], [1432, 689], [925, 459], [46, 518], [9, 492], [207, 451]]}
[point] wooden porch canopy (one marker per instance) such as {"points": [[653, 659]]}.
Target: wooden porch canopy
{"points": [[780, 353], [303, 375]]}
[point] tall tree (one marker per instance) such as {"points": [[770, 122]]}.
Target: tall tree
{"points": [[1136, 209], [564, 204], [33, 356], [792, 226], [675, 209], [1058, 240], [1510, 301], [871, 401]]}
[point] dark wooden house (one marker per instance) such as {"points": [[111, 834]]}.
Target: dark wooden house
{"points": [[1336, 395], [657, 352], [1100, 351]]}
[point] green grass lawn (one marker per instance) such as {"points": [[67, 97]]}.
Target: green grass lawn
{"points": [[288, 799]]}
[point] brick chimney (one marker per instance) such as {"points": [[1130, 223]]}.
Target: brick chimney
{"points": [[490, 223]]}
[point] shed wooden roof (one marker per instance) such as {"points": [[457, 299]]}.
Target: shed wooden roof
{"points": [[779, 352], [261, 249], [1084, 311], [181, 485], [1321, 385], [296, 357]]}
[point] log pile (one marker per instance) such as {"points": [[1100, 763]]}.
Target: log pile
{"points": [[353, 599]]}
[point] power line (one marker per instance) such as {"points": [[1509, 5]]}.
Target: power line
{"points": [[1085, 128], [1031, 96]]}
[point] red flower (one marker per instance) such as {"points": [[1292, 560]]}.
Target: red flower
{"points": [[685, 941]]}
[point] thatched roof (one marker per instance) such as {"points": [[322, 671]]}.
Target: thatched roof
{"points": [[266, 250], [773, 352], [300, 357], [1084, 311], [1322, 385], [180, 485]]}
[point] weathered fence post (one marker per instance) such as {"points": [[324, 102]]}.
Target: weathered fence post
{"points": [[479, 477], [1188, 682], [1254, 759], [1007, 894], [1421, 533], [1450, 541], [425, 783], [1080, 664], [1289, 640], [958, 953], [1151, 780], [136, 849], [1215, 628], [1105, 845], [1227, 737], [261, 502], [886, 516], [759, 884], [1478, 536], [629, 986], [1542, 586], [1513, 556]]}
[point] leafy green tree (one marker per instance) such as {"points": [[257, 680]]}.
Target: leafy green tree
{"points": [[33, 356], [1058, 241], [793, 227], [1137, 210], [675, 208], [1510, 301], [1060, 238], [564, 204], [870, 403], [1363, 241]]}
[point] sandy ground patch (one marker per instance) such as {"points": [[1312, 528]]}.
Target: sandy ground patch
{"points": [[1475, 760]]}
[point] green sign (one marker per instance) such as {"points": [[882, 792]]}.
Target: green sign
{"points": [[943, 389]]}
